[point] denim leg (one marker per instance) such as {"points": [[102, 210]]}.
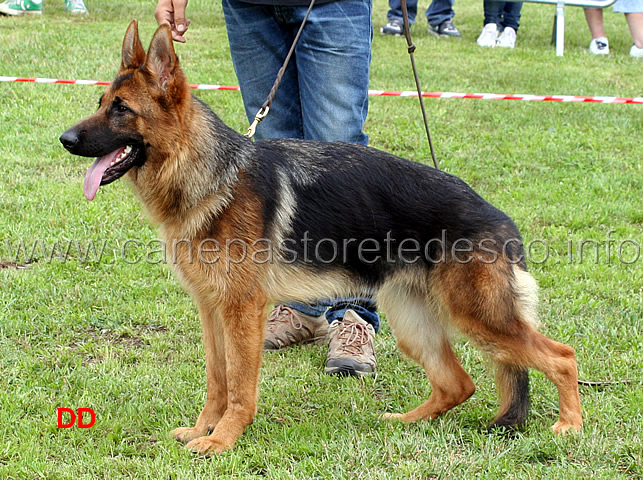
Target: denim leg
{"points": [[493, 11], [439, 11], [364, 307], [258, 45], [336, 308], [324, 93], [333, 60], [314, 310], [511, 15], [395, 10]]}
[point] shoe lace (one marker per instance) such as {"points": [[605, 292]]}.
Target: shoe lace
{"points": [[284, 314], [354, 336]]}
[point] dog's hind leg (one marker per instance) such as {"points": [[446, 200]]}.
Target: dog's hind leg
{"points": [[242, 321], [421, 335], [533, 350], [215, 364], [494, 305]]}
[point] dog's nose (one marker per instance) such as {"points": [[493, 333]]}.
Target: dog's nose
{"points": [[69, 139]]}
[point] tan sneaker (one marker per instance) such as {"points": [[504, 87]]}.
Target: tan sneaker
{"points": [[350, 347], [288, 327]]}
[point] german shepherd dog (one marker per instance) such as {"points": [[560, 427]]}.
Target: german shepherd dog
{"points": [[251, 223]]}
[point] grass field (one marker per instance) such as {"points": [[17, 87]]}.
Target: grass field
{"points": [[115, 332]]}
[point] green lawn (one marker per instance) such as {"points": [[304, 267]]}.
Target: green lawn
{"points": [[120, 336]]}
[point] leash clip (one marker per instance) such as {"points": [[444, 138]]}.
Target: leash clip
{"points": [[261, 114]]}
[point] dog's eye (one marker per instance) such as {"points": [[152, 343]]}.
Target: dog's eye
{"points": [[121, 109], [119, 106]]}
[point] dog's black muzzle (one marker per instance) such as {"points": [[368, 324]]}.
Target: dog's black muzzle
{"points": [[70, 140]]}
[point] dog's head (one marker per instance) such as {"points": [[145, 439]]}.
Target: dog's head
{"points": [[127, 129]]}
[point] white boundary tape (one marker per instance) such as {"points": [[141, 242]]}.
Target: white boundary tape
{"points": [[384, 93]]}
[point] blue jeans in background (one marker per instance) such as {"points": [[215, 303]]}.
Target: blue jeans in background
{"points": [[503, 14], [438, 12], [395, 10], [324, 92]]}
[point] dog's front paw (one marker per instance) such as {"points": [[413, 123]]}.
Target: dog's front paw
{"points": [[186, 434], [561, 427], [207, 446]]}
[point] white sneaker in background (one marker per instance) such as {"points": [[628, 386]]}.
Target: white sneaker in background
{"points": [[599, 46], [636, 51], [507, 38], [489, 35]]}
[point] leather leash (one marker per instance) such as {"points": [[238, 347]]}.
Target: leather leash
{"points": [[265, 108], [407, 34]]}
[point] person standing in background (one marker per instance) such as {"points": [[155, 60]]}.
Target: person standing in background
{"points": [[633, 10], [439, 15], [501, 22]]}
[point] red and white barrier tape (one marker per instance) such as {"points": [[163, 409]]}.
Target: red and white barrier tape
{"points": [[384, 93]]}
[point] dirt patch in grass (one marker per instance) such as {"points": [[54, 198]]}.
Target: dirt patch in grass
{"points": [[135, 338], [13, 265], [126, 341]]}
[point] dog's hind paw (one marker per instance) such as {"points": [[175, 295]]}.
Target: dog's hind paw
{"points": [[393, 417], [561, 427], [186, 434], [207, 446]]}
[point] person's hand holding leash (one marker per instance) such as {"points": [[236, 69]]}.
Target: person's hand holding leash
{"points": [[172, 12]]}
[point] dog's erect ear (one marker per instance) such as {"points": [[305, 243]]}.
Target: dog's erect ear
{"points": [[161, 60], [133, 53]]}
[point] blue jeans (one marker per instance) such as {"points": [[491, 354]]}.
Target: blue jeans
{"points": [[335, 309], [395, 10], [438, 12], [503, 14], [324, 92]]}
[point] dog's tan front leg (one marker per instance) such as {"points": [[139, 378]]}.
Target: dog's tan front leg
{"points": [[215, 364], [243, 327]]}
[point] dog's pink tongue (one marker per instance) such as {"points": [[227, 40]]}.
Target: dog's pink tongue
{"points": [[95, 174]]}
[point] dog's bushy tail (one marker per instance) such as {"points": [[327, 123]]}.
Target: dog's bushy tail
{"points": [[512, 380], [513, 385]]}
